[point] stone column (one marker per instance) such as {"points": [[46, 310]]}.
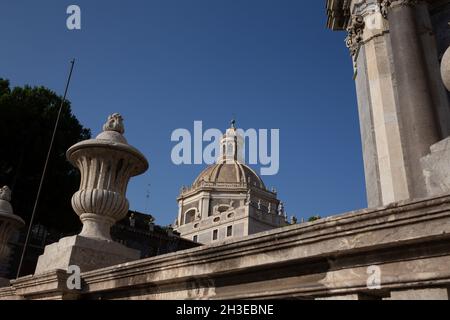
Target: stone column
{"points": [[384, 162], [419, 127], [403, 110], [429, 35], [436, 168], [106, 164], [9, 223]]}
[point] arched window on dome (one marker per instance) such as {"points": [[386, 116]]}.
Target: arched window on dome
{"points": [[189, 216]]}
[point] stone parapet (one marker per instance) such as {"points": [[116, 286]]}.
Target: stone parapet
{"points": [[407, 243]]}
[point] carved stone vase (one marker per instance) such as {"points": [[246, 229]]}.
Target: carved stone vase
{"points": [[9, 223], [106, 164]]}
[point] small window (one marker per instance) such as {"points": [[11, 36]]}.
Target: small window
{"points": [[229, 231], [223, 208], [215, 234], [195, 239]]}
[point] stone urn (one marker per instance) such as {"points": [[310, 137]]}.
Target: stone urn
{"points": [[445, 69], [106, 164], [9, 223]]}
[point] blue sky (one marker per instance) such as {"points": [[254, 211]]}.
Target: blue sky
{"points": [[165, 63]]}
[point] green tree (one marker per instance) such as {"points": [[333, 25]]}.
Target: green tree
{"points": [[27, 118], [314, 218]]}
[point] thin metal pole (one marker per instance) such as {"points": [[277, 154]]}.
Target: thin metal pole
{"points": [[44, 171]]}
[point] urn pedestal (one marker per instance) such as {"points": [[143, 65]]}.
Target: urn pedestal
{"points": [[106, 164], [86, 253]]}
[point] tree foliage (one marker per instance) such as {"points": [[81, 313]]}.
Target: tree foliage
{"points": [[314, 218], [27, 118]]}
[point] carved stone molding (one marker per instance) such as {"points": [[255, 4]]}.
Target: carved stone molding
{"points": [[338, 12]]}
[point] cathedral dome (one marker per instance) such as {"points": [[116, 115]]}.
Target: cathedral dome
{"points": [[230, 170], [234, 172]]}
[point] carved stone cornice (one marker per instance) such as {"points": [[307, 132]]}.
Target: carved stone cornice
{"points": [[338, 12]]}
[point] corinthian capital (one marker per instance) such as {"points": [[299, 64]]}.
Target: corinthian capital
{"points": [[385, 5], [355, 34]]}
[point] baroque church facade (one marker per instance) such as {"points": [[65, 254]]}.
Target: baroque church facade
{"points": [[228, 199]]}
